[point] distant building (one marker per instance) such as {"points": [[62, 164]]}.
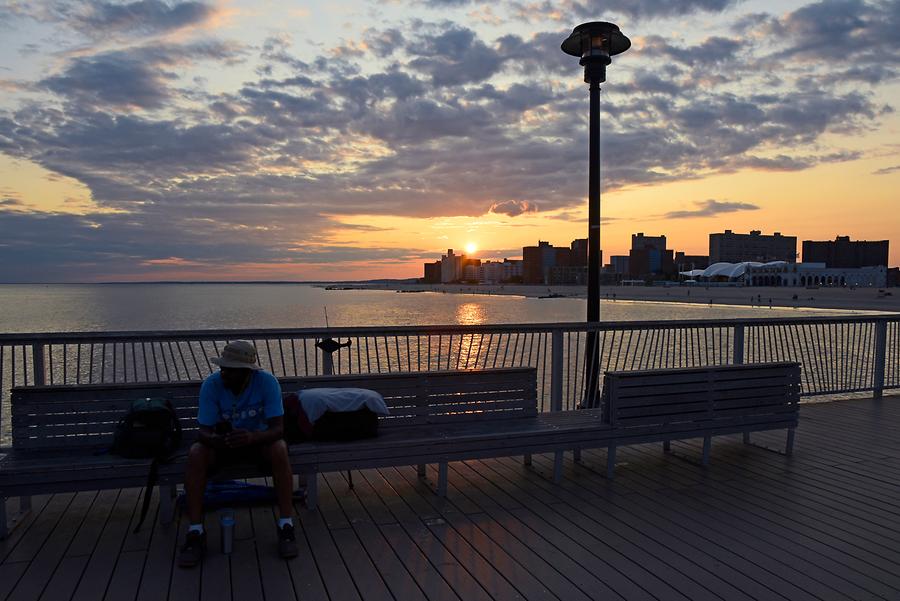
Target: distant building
{"points": [[579, 255], [729, 247], [685, 262], [814, 274], [843, 252], [548, 264], [451, 267], [568, 275], [619, 264], [432, 273], [496, 272], [649, 257], [797, 275]]}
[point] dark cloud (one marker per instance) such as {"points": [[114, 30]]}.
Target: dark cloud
{"points": [[98, 19], [136, 77], [589, 9], [144, 16], [866, 34], [887, 170], [710, 208], [383, 43], [452, 55], [513, 208]]}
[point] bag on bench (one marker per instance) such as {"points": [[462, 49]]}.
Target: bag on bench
{"points": [[149, 430], [332, 414]]}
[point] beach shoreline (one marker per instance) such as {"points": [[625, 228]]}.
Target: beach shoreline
{"points": [[838, 299]]}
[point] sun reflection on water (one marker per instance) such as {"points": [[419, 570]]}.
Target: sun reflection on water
{"points": [[470, 314]]}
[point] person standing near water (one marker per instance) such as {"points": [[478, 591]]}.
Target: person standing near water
{"points": [[241, 419]]}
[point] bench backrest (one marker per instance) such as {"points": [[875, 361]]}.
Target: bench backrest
{"points": [[724, 392], [86, 415]]}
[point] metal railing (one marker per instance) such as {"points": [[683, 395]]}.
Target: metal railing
{"points": [[838, 354]]}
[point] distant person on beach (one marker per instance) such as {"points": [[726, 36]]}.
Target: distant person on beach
{"points": [[240, 415]]}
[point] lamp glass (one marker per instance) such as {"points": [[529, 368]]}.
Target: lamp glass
{"points": [[598, 46]]}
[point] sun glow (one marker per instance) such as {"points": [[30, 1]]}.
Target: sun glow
{"points": [[471, 248]]}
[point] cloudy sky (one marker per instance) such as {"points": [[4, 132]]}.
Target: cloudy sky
{"points": [[322, 140]]}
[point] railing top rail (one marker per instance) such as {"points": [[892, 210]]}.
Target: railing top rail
{"points": [[438, 329]]}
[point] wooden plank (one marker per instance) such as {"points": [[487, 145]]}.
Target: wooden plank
{"points": [[328, 560], [569, 559], [126, 578], [65, 579], [26, 547], [99, 569], [275, 576], [160, 559], [38, 504], [9, 576], [41, 568]]}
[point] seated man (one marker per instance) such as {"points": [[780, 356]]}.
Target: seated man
{"points": [[241, 419]]}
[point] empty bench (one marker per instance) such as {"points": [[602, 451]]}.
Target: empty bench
{"points": [[436, 417], [677, 404]]}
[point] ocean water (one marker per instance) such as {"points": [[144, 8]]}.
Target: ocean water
{"points": [[141, 307]]}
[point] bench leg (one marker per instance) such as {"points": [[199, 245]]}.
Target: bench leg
{"points": [[166, 504], [442, 479], [746, 438], [557, 466], [667, 446], [788, 447], [707, 444], [610, 461], [576, 455], [8, 522], [312, 490], [421, 470], [526, 459]]}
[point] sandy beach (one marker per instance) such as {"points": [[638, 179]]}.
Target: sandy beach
{"points": [[860, 299]]}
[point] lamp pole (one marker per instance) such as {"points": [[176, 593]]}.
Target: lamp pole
{"points": [[594, 43]]}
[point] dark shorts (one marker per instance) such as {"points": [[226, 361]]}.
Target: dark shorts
{"points": [[250, 456]]}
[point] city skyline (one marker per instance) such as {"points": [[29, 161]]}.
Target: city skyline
{"points": [[232, 140]]}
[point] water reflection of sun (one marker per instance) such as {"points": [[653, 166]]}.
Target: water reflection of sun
{"points": [[470, 314]]}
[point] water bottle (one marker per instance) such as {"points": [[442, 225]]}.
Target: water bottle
{"points": [[226, 524]]}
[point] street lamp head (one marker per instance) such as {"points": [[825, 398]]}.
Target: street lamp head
{"points": [[595, 43]]}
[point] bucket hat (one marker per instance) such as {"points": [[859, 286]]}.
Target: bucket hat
{"points": [[239, 354]]}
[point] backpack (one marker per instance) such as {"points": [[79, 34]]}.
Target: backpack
{"points": [[149, 430]]}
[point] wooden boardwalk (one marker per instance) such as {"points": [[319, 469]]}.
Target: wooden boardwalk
{"points": [[824, 524]]}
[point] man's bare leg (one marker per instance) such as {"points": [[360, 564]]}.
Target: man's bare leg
{"points": [[200, 458], [277, 453]]}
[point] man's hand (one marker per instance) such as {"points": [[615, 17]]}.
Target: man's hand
{"points": [[239, 438]]}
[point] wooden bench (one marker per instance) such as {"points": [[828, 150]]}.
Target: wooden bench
{"points": [[436, 417], [677, 404]]}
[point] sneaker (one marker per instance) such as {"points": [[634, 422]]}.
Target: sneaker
{"points": [[287, 544], [192, 551]]}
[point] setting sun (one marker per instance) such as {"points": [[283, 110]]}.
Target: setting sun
{"points": [[471, 248]]}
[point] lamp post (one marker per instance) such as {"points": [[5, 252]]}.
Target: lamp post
{"points": [[594, 43]]}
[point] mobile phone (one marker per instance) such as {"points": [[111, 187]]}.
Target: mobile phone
{"points": [[223, 428]]}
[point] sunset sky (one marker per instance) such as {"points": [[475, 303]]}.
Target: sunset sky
{"points": [[236, 140]]}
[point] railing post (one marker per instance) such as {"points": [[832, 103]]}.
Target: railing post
{"points": [[37, 363], [880, 354], [737, 353], [556, 371]]}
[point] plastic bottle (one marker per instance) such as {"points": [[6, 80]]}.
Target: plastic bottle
{"points": [[226, 523]]}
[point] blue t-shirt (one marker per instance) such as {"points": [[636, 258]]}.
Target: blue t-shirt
{"points": [[259, 402]]}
